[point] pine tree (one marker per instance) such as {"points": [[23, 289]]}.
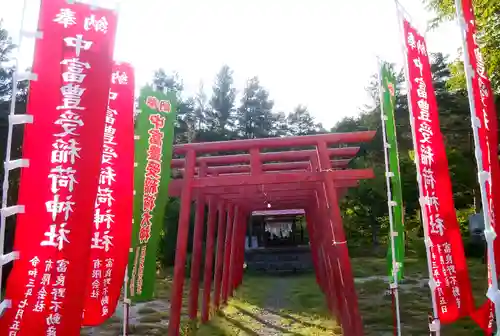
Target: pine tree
{"points": [[280, 125], [163, 81], [222, 103], [301, 122], [6, 68], [201, 109], [254, 116]]}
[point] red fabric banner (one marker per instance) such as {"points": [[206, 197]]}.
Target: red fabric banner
{"points": [[449, 268], [486, 128], [73, 62], [114, 202]]}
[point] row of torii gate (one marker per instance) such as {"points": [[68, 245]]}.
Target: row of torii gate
{"points": [[233, 186]]}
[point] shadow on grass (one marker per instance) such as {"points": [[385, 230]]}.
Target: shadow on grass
{"points": [[264, 322], [298, 321], [238, 324]]}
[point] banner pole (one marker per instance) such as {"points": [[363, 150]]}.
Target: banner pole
{"points": [[9, 165], [483, 175], [395, 266], [126, 304], [434, 325]]}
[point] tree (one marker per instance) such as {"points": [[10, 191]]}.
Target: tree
{"points": [[300, 122], [201, 108], [185, 123], [254, 117], [280, 125], [365, 206], [488, 24], [222, 102], [164, 82], [6, 68]]}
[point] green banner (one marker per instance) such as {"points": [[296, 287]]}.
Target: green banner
{"points": [[153, 156], [388, 87]]}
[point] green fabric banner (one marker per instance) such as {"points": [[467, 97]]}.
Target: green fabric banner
{"points": [[388, 87], [153, 156]]}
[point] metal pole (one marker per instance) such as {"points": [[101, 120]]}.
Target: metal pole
{"points": [[394, 283], [8, 164], [482, 175], [435, 325], [126, 304]]}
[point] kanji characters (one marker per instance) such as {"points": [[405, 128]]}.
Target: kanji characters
{"points": [[423, 106], [105, 196], [58, 206], [102, 243], [72, 96], [107, 176], [428, 177], [426, 155], [99, 25], [419, 65], [103, 218], [62, 178], [65, 17], [76, 68], [56, 237], [421, 48], [436, 225], [426, 133], [422, 88], [78, 43], [120, 78], [157, 120], [69, 121], [65, 151]]}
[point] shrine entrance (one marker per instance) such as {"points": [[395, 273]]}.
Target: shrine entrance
{"points": [[307, 174], [277, 241]]}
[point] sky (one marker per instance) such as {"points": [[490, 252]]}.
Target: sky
{"points": [[318, 53]]}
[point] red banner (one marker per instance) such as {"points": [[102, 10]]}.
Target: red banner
{"points": [[73, 62], [114, 202], [449, 268], [486, 130]]}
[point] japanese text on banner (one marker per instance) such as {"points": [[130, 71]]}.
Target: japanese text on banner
{"points": [[486, 129], [449, 269], [155, 126], [71, 61], [114, 201]]}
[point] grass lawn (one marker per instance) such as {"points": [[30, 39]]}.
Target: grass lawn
{"points": [[305, 312], [415, 301], [294, 305], [248, 313]]}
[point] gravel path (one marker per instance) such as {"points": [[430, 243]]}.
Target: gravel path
{"points": [[156, 308], [268, 318], [152, 317]]}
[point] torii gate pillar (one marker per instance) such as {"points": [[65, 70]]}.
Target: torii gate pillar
{"points": [[339, 243]]}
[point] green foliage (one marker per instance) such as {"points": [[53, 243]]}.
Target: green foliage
{"points": [[217, 117], [488, 25], [365, 207], [254, 117]]}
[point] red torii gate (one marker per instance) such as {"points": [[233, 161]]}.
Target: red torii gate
{"points": [[235, 185]]}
